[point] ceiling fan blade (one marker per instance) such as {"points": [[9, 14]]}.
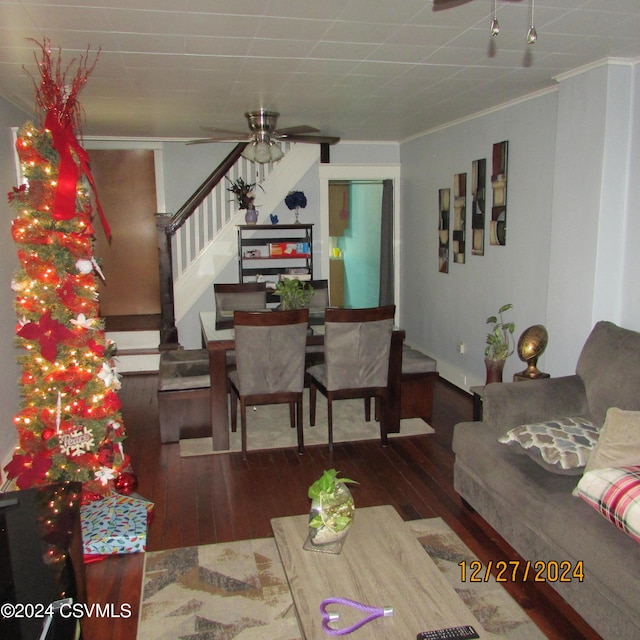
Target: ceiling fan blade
{"points": [[439, 5], [301, 128], [211, 140], [226, 132], [310, 139]]}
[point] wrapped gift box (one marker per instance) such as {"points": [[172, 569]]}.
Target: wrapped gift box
{"points": [[115, 524]]}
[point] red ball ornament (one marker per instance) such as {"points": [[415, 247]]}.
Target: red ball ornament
{"points": [[47, 434], [126, 483]]}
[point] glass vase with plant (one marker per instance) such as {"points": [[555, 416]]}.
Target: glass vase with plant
{"points": [[331, 514]]}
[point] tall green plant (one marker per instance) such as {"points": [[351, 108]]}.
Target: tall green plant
{"points": [[500, 340]]}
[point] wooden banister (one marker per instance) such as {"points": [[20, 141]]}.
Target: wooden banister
{"points": [[195, 200]]}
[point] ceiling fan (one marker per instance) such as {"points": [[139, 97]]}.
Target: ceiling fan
{"points": [[262, 136]]}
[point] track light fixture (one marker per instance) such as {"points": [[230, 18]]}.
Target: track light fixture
{"points": [[532, 35], [495, 25], [494, 29]]}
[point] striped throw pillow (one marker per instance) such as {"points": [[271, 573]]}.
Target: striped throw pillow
{"points": [[615, 494]]}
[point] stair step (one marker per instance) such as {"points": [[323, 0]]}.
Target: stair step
{"points": [[138, 363], [139, 322], [137, 352], [134, 339]]}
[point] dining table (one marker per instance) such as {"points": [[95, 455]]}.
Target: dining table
{"points": [[219, 338]]}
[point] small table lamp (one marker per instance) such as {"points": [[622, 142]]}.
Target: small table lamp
{"points": [[531, 346]]}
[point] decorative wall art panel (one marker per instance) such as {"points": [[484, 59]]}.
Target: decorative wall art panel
{"points": [[444, 197], [499, 186], [459, 217], [478, 202]]}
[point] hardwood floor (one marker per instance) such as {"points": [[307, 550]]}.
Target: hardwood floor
{"points": [[219, 498]]}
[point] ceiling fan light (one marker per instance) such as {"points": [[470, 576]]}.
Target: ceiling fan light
{"points": [[250, 152], [262, 153], [276, 152]]}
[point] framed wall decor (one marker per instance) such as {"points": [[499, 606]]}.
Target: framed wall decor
{"points": [[499, 186], [459, 217], [444, 197], [478, 196]]}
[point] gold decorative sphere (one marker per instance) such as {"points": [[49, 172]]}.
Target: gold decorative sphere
{"points": [[531, 346]]}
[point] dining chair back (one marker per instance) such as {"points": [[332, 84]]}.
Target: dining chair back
{"points": [[248, 296], [357, 344], [320, 299], [270, 365]]}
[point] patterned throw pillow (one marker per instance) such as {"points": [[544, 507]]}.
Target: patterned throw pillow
{"points": [[615, 494], [561, 446]]}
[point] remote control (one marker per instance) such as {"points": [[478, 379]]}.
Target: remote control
{"points": [[452, 633]]}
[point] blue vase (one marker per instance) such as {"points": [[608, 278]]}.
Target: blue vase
{"points": [[251, 217]]}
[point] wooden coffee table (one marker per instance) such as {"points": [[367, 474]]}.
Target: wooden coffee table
{"points": [[382, 565]]}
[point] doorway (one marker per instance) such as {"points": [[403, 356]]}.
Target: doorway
{"points": [[126, 185], [388, 174], [355, 240]]}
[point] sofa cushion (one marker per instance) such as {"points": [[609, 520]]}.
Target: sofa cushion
{"points": [[619, 441], [615, 494], [608, 368], [560, 446]]}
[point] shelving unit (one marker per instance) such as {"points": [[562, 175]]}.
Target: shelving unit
{"points": [[257, 255]]}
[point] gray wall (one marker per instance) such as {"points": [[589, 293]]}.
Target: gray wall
{"points": [[440, 310], [573, 224], [9, 392]]}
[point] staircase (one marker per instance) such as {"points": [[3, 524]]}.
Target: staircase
{"points": [[203, 241], [207, 242]]}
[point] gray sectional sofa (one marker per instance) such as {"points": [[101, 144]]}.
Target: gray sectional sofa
{"points": [[532, 508]]}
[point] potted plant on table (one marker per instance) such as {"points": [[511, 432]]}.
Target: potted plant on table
{"points": [[331, 514], [500, 344], [293, 293]]}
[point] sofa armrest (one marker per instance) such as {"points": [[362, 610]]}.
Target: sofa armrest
{"points": [[507, 405]]}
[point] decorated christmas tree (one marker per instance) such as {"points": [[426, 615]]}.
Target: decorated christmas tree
{"points": [[69, 423]]}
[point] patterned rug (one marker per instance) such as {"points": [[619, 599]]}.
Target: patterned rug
{"points": [[268, 428], [238, 590]]}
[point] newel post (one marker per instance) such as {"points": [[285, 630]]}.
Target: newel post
{"points": [[168, 329]]}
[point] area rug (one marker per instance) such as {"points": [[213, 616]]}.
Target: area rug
{"points": [[238, 590], [268, 427]]}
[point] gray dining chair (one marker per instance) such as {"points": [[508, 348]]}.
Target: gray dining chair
{"points": [[243, 296], [320, 299], [357, 344], [270, 365]]}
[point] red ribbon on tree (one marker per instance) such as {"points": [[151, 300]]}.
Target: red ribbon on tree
{"points": [[64, 142]]}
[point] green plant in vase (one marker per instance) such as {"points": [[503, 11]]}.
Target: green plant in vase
{"points": [[332, 511], [293, 293], [500, 344]]}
